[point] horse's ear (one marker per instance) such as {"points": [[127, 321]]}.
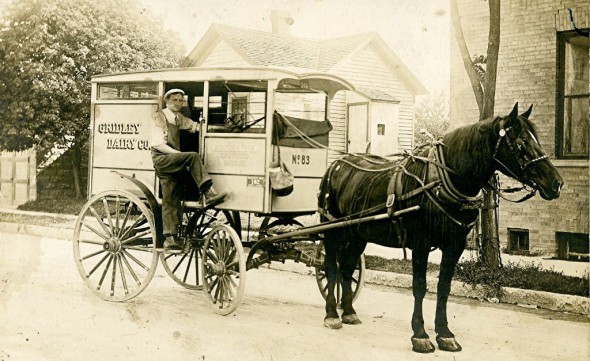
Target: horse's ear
{"points": [[527, 113], [514, 112]]}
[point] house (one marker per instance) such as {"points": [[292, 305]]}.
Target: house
{"points": [[378, 118], [544, 61]]}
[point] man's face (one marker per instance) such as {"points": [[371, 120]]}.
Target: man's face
{"points": [[175, 102]]}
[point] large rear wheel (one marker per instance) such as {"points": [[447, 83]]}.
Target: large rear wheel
{"points": [[223, 269], [115, 245]]}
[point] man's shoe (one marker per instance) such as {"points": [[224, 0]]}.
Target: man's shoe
{"points": [[170, 244], [213, 197]]}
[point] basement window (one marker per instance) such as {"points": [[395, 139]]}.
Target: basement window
{"points": [[573, 246], [518, 239]]}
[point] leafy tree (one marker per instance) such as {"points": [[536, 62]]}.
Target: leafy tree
{"points": [[50, 49], [431, 115]]}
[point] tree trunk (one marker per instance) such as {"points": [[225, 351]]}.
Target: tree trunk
{"points": [[76, 157], [490, 245]]}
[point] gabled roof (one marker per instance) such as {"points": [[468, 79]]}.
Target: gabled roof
{"points": [[260, 48]]}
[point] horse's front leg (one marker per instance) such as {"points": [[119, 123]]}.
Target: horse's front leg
{"points": [[349, 259], [332, 320], [420, 341], [444, 337]]}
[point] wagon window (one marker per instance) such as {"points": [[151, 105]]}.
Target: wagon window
{"points": [[237, 106], [128, 91], [310, 106]]}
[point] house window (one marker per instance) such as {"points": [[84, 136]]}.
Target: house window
{"points": [[572, 95], [518, 239], [380, 129]]}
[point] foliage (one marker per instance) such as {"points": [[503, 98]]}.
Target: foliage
{"points": [[50, 49], [67, 205], [527, 275], [530, 276], [403, 266], [479, 62], [432, 115]]}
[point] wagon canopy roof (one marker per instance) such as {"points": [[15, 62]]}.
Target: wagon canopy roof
{"points": [[289, 79]]}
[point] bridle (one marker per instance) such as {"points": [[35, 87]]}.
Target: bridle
{"points": [[523, 163]]}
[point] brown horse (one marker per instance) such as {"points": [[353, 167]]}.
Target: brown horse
{"points": [[445, 180]]}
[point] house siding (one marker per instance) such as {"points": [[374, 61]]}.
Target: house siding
{"points": [[526, 74], [366, 69], [224, 55]]}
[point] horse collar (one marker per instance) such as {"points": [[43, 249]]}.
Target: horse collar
{"points": [[447, 192]]}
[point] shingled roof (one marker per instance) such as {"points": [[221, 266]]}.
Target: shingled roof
{"points": [[261, 48]]}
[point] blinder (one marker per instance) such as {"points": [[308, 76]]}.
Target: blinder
{"points": [[515, 149]]}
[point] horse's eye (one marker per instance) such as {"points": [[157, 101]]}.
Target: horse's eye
{"points": [[520, 144]]}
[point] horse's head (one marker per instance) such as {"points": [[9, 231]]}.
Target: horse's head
{"points": [[519, 155]]}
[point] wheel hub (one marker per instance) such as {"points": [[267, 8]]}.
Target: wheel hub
{"points": [[218, 268], [113, 245]]}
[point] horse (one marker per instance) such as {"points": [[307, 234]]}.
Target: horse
{"points": [[445, 179]]}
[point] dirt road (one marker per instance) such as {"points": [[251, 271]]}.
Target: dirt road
{"points": [[47, 313]]}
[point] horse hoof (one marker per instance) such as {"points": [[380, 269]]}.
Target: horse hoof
{"points": [[333, 323], [352, 319], [422, 345], [448, 344]]}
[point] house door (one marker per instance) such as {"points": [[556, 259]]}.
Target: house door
{"points": [[17, 177], [357, 128]]}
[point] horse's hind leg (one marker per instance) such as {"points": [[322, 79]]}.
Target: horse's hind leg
{"points": [[349, 258], [444, 337], [420, 341], [332, 320]]}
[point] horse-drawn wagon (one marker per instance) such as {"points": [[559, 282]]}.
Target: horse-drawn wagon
{"points": [[257, 123], [254, 123]]}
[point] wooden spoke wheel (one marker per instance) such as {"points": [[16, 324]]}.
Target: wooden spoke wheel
{"points": [[185, 267], [115, 245], [223, 269], [358, 277]]}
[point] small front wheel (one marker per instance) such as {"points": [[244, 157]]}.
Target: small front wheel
{"points": [[223, 269]]}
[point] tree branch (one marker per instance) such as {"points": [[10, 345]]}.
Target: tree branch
{"points": [[492, 60], [467, 62]]}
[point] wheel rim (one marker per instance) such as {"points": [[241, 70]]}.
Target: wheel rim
{"points": [[185, 268], [223, 269], [358, 277], [114, 245]]}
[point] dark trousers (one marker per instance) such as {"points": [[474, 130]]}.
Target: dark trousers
{"points": [[168, 169]]}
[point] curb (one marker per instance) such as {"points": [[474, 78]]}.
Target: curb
{"points": [[525, 298]]}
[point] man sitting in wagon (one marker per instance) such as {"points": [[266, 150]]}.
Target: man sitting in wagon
{"points": [[170, 162]]}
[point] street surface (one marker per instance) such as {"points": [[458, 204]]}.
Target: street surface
{"points": [[47, 313]]}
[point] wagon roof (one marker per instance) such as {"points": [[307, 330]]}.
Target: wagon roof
{"points": [[316, 80]]}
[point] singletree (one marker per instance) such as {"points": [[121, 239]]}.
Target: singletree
{"points": [[50, 49]]}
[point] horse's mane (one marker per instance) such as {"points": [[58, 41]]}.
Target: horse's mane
{"points": [[468, 149]]}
